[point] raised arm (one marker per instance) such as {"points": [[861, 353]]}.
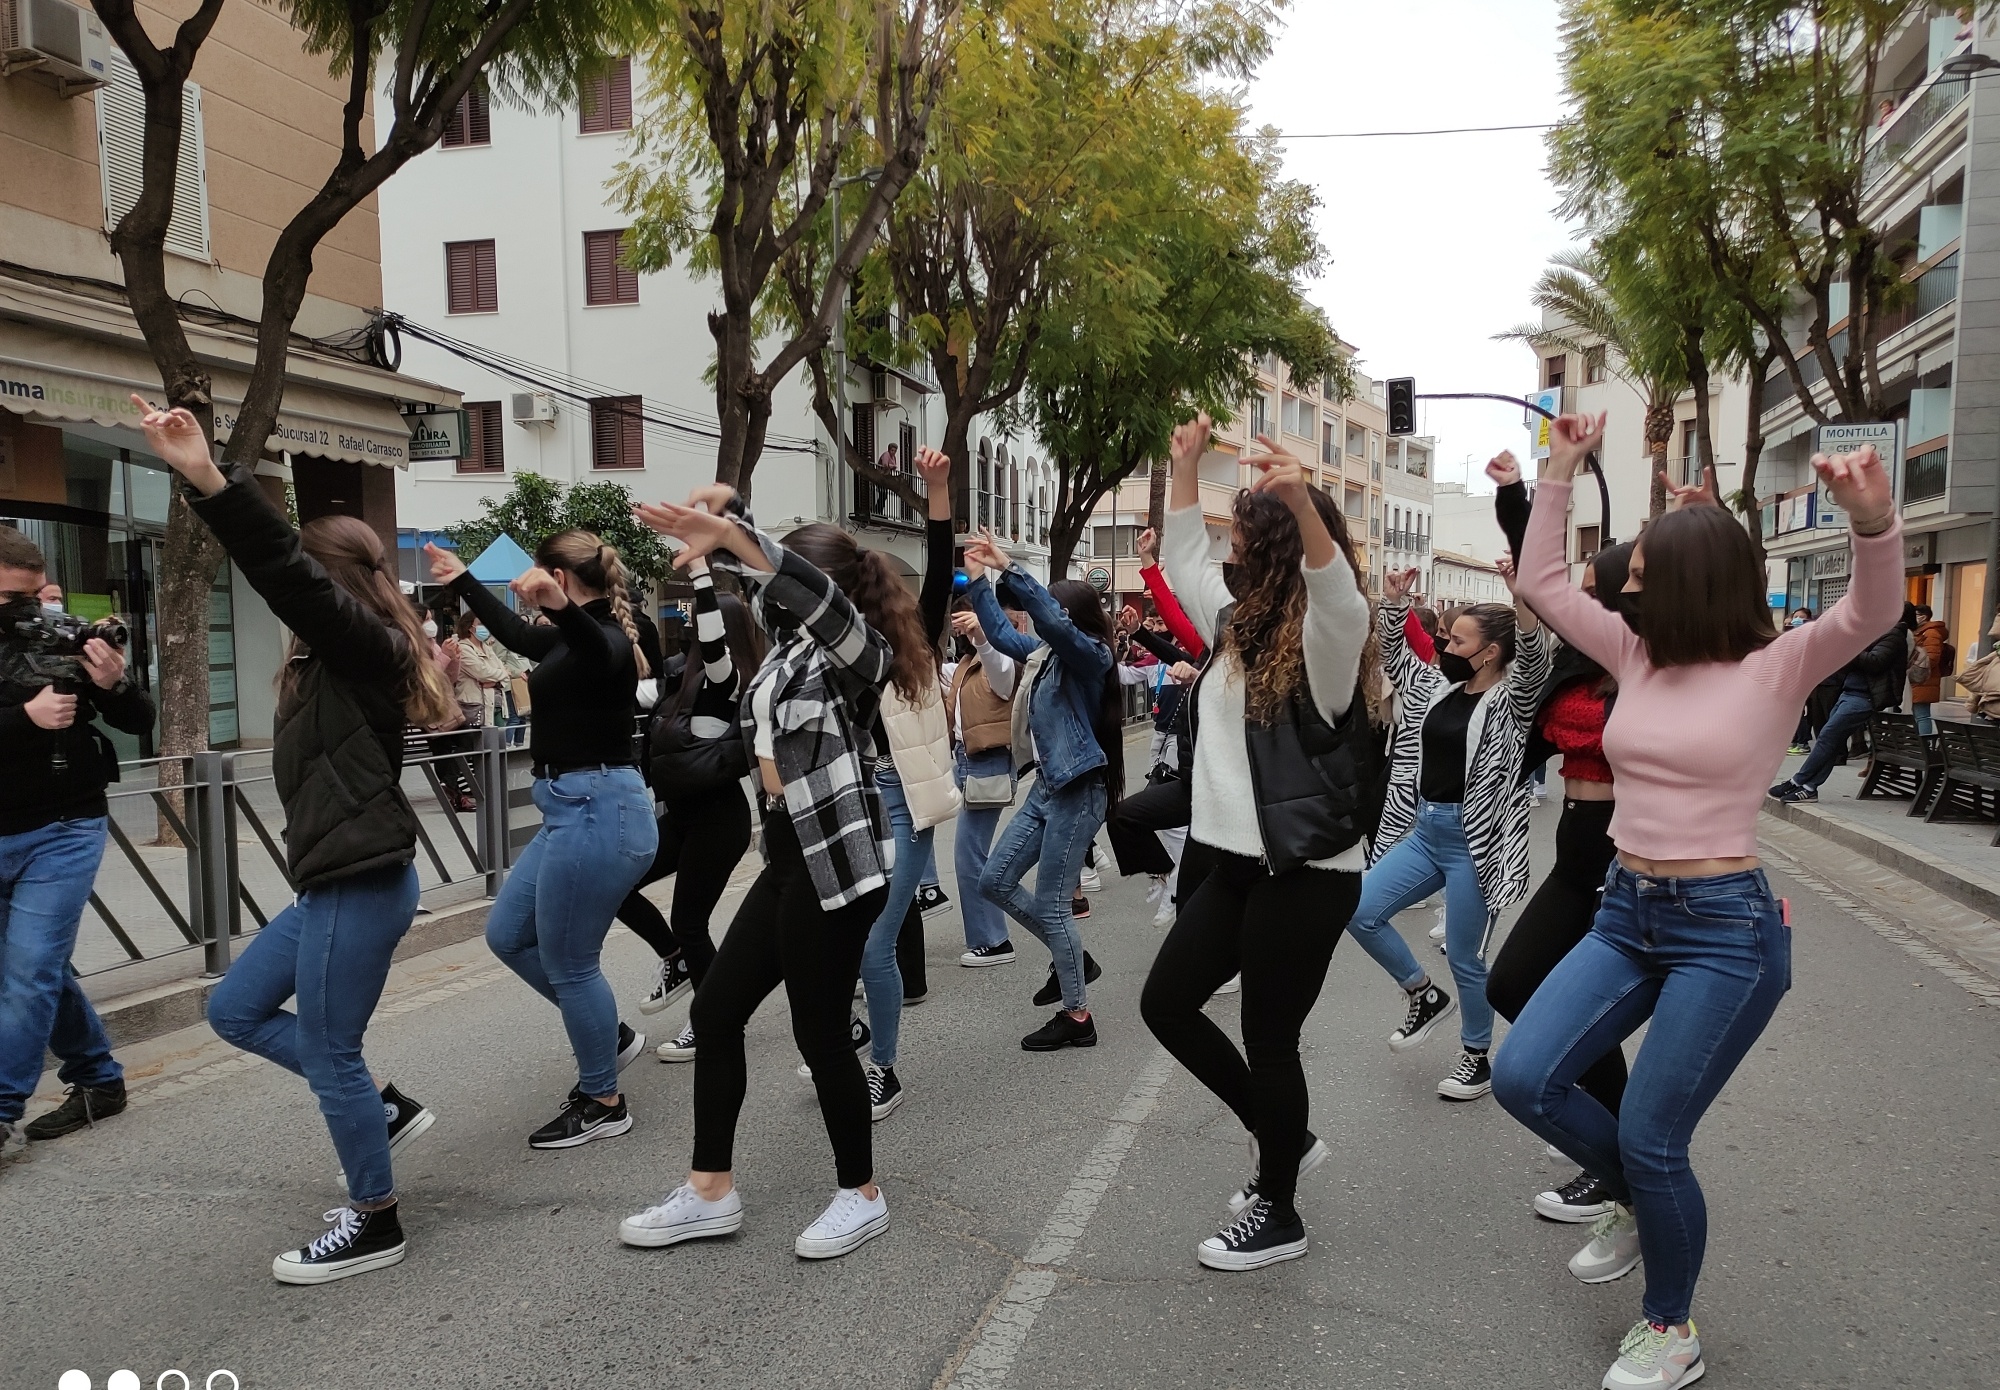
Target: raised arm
{"points": [[1160, 647], [1873, 603], [1165, 600], [934, 599], [1411, 677], [1542, 578], [509, 629], [717, 669]]}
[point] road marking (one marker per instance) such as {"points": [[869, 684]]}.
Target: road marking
{"points": [[1005, 1325], [1971, 981]]}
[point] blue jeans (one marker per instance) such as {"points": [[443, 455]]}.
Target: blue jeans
{"points": [[1707, 960], [45, 879], [1053, 829], [597, 839], [985, 924], [332, 949], [1433, 855], [1849, 713], [1921, 711], [880, 977]]}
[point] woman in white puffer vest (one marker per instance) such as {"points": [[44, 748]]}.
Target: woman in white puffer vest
{"points": [[918, 794]]}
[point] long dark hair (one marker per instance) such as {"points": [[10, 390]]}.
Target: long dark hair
{"points": [[1704, 596], [1081, 604], [879, 593], [350, 552], [746, 652]]}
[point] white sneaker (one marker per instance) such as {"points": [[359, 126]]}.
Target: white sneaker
{"points": [[1156, 889], [684, 1215], [1655, 1357], [849, 1222], [1437, 928], [1232, 985], [1316, 1153], [1613, 1251], [1165, 914], [1090, 882], [678, 1048]]}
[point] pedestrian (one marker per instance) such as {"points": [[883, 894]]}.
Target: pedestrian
{"points": [[981, 697], [1069, 725], [597, 835], [1690, 941], [1872, 681], [1457, 813], [1290, 727], [1932, 658], [481, 674], [356, 674], [809, 719], [54, 820]]}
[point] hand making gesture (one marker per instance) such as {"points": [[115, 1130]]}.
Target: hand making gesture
{"points": [[540, 588], [1572, 439], [445, 564], [1504, 469], [984, 549], [175, 435], [701, 534], [1149, 547], [1702, 494], [1860, 487], [934, 467], [1399, 585]]}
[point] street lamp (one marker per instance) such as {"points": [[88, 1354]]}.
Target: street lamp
{"points": [[841, 421], [1969, 65]]}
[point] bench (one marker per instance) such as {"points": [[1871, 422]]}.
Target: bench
{"points": [[1901, 762], [1971, 774]]}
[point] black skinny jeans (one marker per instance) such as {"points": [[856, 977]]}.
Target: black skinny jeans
{"points": [[781, 935], [700, 844], [1555, 919], [1279, 933]]}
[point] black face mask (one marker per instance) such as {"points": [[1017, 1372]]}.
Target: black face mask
{"points": [[1229, 577], [1626, 604], [1455, 668]]}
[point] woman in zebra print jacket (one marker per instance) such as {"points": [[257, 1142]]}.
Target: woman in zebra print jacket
{"points": [[1457, 812]]}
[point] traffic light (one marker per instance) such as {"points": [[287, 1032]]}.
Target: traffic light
{"points": [[1402, 405]]}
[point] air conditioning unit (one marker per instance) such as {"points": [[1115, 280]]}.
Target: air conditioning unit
{"points": [[533, 408], [55, 41]]}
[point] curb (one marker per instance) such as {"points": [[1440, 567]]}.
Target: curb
{"points": [[1954, 881], [150, 1013]]}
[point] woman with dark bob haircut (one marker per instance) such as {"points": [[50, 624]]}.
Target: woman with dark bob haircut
{"points": [[1689, 935]]}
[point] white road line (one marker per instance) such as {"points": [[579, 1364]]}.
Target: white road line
{"points": [[990, 1359]]}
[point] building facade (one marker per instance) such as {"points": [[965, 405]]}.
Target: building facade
{"points": [[263, 127], [1409, 478], [1458, 580]]}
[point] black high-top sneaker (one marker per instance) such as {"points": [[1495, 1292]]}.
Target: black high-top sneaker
{"points": [[407, 1118], [82, 1108], [357, 1242], [1470, 1079], [1254, 1239], [1429, 1006]]}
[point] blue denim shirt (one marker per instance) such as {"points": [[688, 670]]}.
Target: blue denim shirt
{"points": [[1062, 708]]}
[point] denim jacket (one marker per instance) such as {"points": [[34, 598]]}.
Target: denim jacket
{"points": [[1062, 709]]}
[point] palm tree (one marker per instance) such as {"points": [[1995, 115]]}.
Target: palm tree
{"points": [[1627, 317]]}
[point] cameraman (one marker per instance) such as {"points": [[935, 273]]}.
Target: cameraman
{"points": [[54, 766]]}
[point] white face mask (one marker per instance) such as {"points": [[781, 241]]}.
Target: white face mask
{"points": [[430, 629], [54, 609]]}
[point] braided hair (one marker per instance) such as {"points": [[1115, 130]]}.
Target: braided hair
{"points": [[598, 566]]}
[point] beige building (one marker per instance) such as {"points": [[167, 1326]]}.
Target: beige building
{"points": [[263, 127]]}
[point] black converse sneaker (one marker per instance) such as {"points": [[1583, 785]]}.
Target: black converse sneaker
{"points": [[1582, 1198], [885, 1092], [680, 1047], [931, 899], [358, 1242], [1429, 1006], [1051, 990], [1254, 1239], [1001, 953], [1470, 1079], [857, 1033], [673, 981], [1316, 1153], [82, 1108], [406, 1119], [630, 1045], [583, 1119]]}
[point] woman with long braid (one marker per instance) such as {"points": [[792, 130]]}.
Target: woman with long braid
{"points": [[597, 834]]}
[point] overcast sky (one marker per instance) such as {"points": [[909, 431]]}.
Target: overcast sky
{"points": [[1433, 241]]}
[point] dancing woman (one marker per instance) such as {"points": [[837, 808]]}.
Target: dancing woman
{"points": [[1289, 724], [809, 717], [357, 672], [597, 835], [1690, 940]]}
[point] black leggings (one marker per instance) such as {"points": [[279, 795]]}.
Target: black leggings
{"points": [[700, 844], [782, 935], [1555, 919], [1130, 827], [1279, 932]]}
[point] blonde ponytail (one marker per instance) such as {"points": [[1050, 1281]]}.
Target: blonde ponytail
{"points": [[615, 581]]}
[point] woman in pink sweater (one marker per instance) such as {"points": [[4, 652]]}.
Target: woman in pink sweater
{"points": [[1689, 934]]}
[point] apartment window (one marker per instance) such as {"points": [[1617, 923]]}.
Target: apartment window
{"points": [[1688, 450], [1114, 542], [471, 121], [1418, 462], [1260, 414], [1327, 388], [985, 483], [1586, 542], [1301, 416], [607, 98], [1042, 507], [121, 141], [1014, 502], [1552, 372], [1356, 503], [618, 432], [471, 280], [1593, 364], [1357, 440], [485, 449], [1329, 442], [606, 277]]}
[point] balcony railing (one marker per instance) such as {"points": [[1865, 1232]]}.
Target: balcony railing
{"points": [[1910, 125], [1924, 476]]}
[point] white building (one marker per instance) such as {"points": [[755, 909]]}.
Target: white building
{"points": [[1407, 506], [505, 239], [1463, 579]]}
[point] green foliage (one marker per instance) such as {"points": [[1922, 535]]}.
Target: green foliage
{"points": [[537, 507]]}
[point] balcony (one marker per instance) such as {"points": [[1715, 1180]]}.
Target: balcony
{"points": [[877, 506], [1924, 475], [1918, 116]]}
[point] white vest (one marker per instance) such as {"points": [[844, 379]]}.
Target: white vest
{"points": [[920, 746]]}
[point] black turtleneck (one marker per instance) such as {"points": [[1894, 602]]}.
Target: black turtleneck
{"points": [[582, 690]]}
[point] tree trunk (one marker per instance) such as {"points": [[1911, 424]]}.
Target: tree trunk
{"points": [[1156, 496], [732, 414], [1659, 430], [1753, 453], [1704, 432]]}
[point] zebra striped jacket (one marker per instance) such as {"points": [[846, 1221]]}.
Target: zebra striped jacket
{"points": [[1497, 798]]}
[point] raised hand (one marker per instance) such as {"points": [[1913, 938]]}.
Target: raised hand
{"points": [[1572, 438], [1701, 494], [1180, 673], [713, 498], [1128, 618], [1149, 547], [176, 437], [982, 548], [1505, 564], [1281, 474], [540, 588], [1860, 487], [934, 467], [700, 534], [1400, 584], [445, 565], [1504, 469], [966, 625], [1190, 441]]}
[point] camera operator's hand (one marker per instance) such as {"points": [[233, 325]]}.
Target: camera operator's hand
{"points": [[51, 710], [104, 662]]}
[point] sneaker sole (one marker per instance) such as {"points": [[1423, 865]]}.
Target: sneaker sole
{"points": [[972, 962], [1058, 1047], [630, 1053], [1228, 987], [667, 1052], [290, 1272], [653, 1237], [1608, 1275], [1452, 1090], [1399, 1042], [1316, 1155], [883, 1112], [1688, 1377], [1550, 1208], [610, 1129], [655, 1003], [1236, 1263], [832, 1247]]}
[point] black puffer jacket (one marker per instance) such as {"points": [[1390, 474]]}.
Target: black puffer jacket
{"points": [[338, 755], [1882, 667]]}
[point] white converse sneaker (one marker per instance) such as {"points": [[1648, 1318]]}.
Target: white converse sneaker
{"points": [[684, 1215], [849, 1221], [1165, 914], [1090, 881], [1613, 1251], [1655, 1357]]}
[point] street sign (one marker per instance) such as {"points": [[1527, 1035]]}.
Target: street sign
{"points": [[1550, 400], [1885, 435], [1098, 578], [437, 435]]}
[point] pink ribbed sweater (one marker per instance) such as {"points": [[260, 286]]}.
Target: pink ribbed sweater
{"points": [[1693, 748]]}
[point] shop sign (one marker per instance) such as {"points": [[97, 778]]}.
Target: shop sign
{"points": [[1538, 424], [1098, 578], [437, 436]]}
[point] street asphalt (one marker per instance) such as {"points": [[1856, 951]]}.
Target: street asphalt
{"points": [[1045, 1208]]}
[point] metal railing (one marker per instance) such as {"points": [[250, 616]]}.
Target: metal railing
{"points": [[1910, 125]]}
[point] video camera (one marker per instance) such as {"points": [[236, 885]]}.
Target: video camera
{"points": [[42, 648]]}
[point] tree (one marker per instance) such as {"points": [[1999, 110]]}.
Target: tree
{"points": [[434, 50], [757, 108], [537, 507]]}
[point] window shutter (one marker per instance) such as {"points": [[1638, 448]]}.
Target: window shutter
{"points": [[606, 98], [471, 121], [605, 280], [471, 272], [617, 432], [621, 94], [632, 450], [121, 143], [483, 440]]}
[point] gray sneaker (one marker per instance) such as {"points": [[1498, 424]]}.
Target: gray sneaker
{"points": [[1613, 1251], [1658, 1357]]}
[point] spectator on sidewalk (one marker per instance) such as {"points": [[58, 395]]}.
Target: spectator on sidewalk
{"points": [[1872, 681], [54, 763], [1932, 658]]}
